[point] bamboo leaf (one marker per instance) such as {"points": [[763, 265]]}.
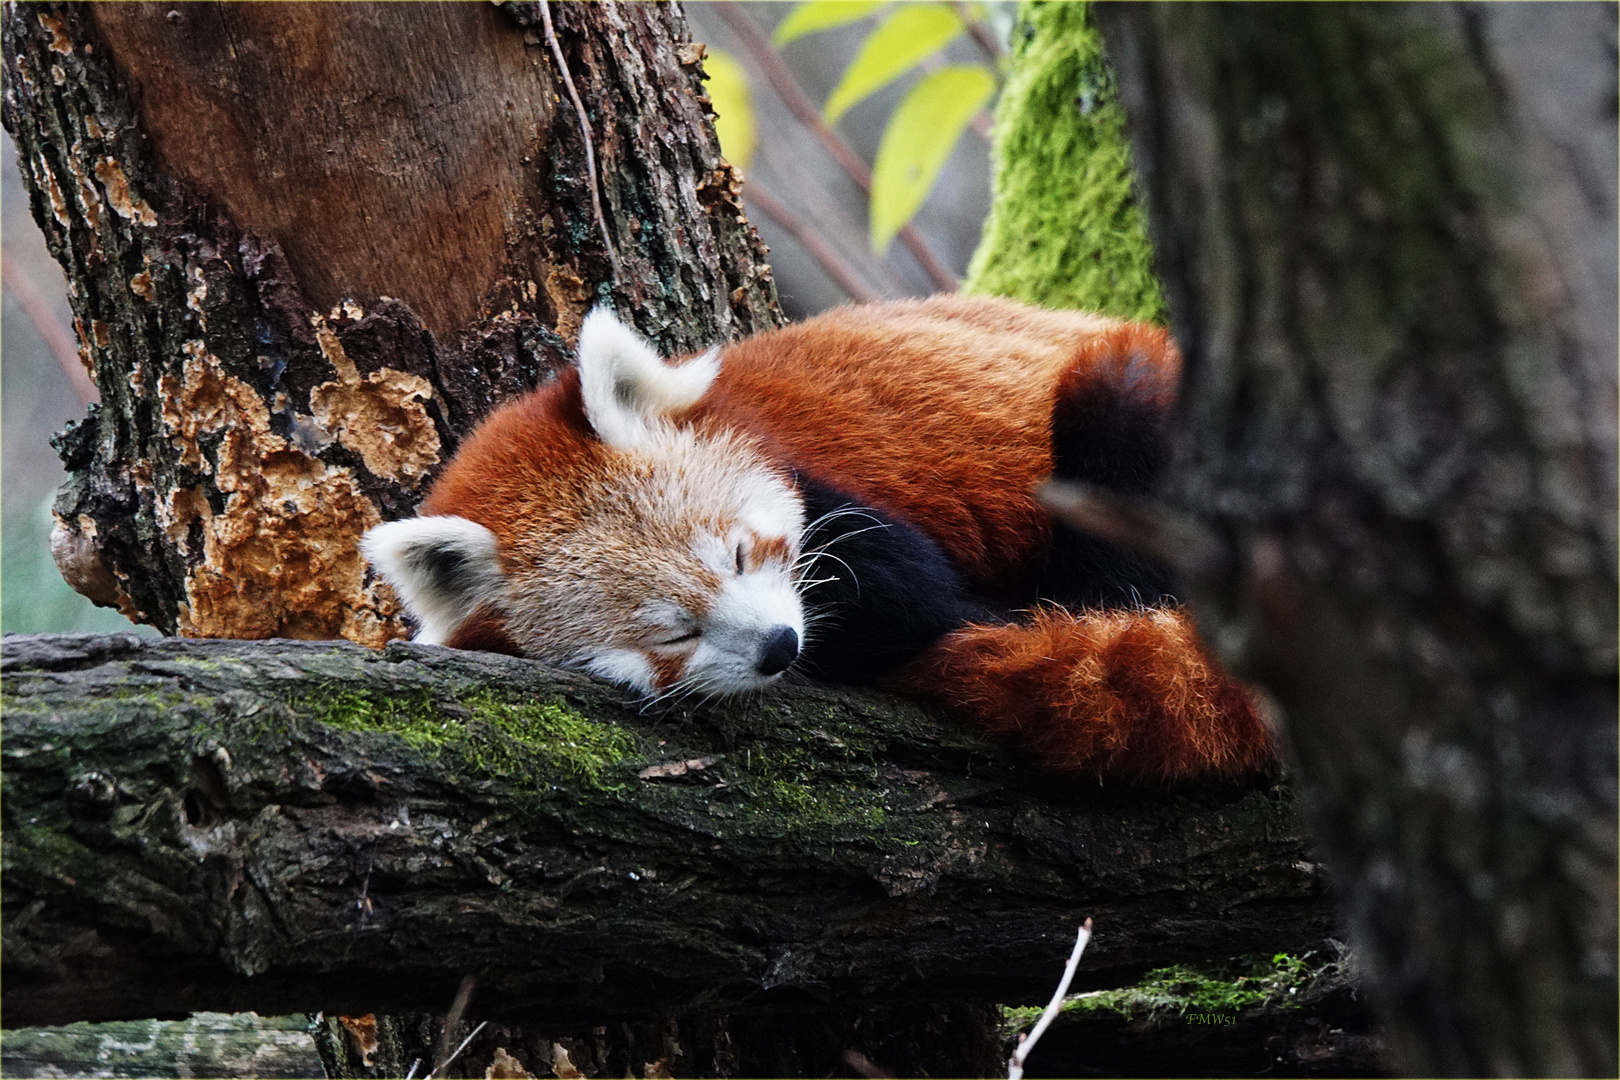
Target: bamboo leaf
{"points": [[815, 15], [918, 142], [733, 106], [905, 37]]}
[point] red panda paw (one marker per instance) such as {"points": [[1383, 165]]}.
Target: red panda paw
{"points": [[1129, 695]]}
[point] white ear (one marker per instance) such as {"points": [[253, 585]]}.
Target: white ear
{"points": [[626, 387], [442, 567]]}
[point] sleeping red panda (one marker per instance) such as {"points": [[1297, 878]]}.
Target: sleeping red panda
{"points": [[851, 497]]}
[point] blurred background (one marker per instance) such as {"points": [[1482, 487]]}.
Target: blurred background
{"points": [[42, 387], [930, 68]]}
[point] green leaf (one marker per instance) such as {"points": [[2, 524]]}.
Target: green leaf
{"points": [[905, 37], [918, 141], [814, 15], [733, 106]]}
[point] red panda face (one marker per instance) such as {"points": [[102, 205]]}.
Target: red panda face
{"points": [[658, 556], [677, 574]]}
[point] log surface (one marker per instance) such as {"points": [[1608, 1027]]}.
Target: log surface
{"points": [[284, 826]]}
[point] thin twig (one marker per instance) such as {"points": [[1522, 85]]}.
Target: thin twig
{"points": [[452, 1020], [861, 1065], [1193, 552], [982, 35], [1026, 1043], [471, 1036], [58, 341], [584, 130], [793, 96], [819, 249], [412, 1074]]}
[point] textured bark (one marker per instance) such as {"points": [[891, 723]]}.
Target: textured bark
{"points": [[1322, 1028], [1387, 236], [208, 1044], [281, 826], [308, 246]]}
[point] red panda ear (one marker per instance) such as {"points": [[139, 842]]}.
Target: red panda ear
{"points": [[627, 388], [444, 568]]}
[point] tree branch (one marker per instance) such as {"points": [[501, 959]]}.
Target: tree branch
{"points": [[284, 826], [819, 249]]}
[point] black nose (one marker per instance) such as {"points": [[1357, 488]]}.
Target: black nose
{"points": [[781, 649]]}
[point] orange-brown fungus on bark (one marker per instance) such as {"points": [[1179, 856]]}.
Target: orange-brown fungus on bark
{"points": [[281, 559], [60, 42], [381, 416], [570, 298], [129, 205]]}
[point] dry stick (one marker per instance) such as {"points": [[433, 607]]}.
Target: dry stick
{"points": [[452, 1020], [861, 1065], [982, 35], [56, 337], [470, 1037], [793, 96], [1026, 1043], [584, 130], [818, 248], [1143, 525]]}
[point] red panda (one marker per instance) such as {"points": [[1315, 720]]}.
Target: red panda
{"points": [[851, 497]]}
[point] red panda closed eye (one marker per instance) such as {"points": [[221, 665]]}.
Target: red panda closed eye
{"points": [[851, 496]]}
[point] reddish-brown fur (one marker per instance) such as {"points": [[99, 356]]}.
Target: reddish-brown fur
{"points": [[939, 413], [523, 463], [483, 631], [1124, 694], [936, 411]]}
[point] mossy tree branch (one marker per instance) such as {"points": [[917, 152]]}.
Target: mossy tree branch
{"points": [[281, 826]]}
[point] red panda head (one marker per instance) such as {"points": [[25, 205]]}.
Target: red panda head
{"points": [[602, 535]]}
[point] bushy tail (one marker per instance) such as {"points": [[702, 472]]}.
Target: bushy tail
{"points": [[1128, 695]]}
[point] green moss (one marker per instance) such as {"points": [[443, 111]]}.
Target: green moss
{"points": [[782, 786], [493, 737], [1065, 230], [1243, 983]]}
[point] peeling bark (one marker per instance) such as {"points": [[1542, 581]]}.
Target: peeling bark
{"points": [[281, 826], [300, 275], [1387, 237]]}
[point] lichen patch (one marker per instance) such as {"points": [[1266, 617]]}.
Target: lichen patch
{"points": [[381, 416], [281, 558], [196, 295], [125, 202]]}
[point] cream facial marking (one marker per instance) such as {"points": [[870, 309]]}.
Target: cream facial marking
{"points": [[627, 667], [754, 628]]}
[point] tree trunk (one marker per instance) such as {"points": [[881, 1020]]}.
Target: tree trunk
{"points": [[1387, 237], [281, 826], [308, 246]]}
